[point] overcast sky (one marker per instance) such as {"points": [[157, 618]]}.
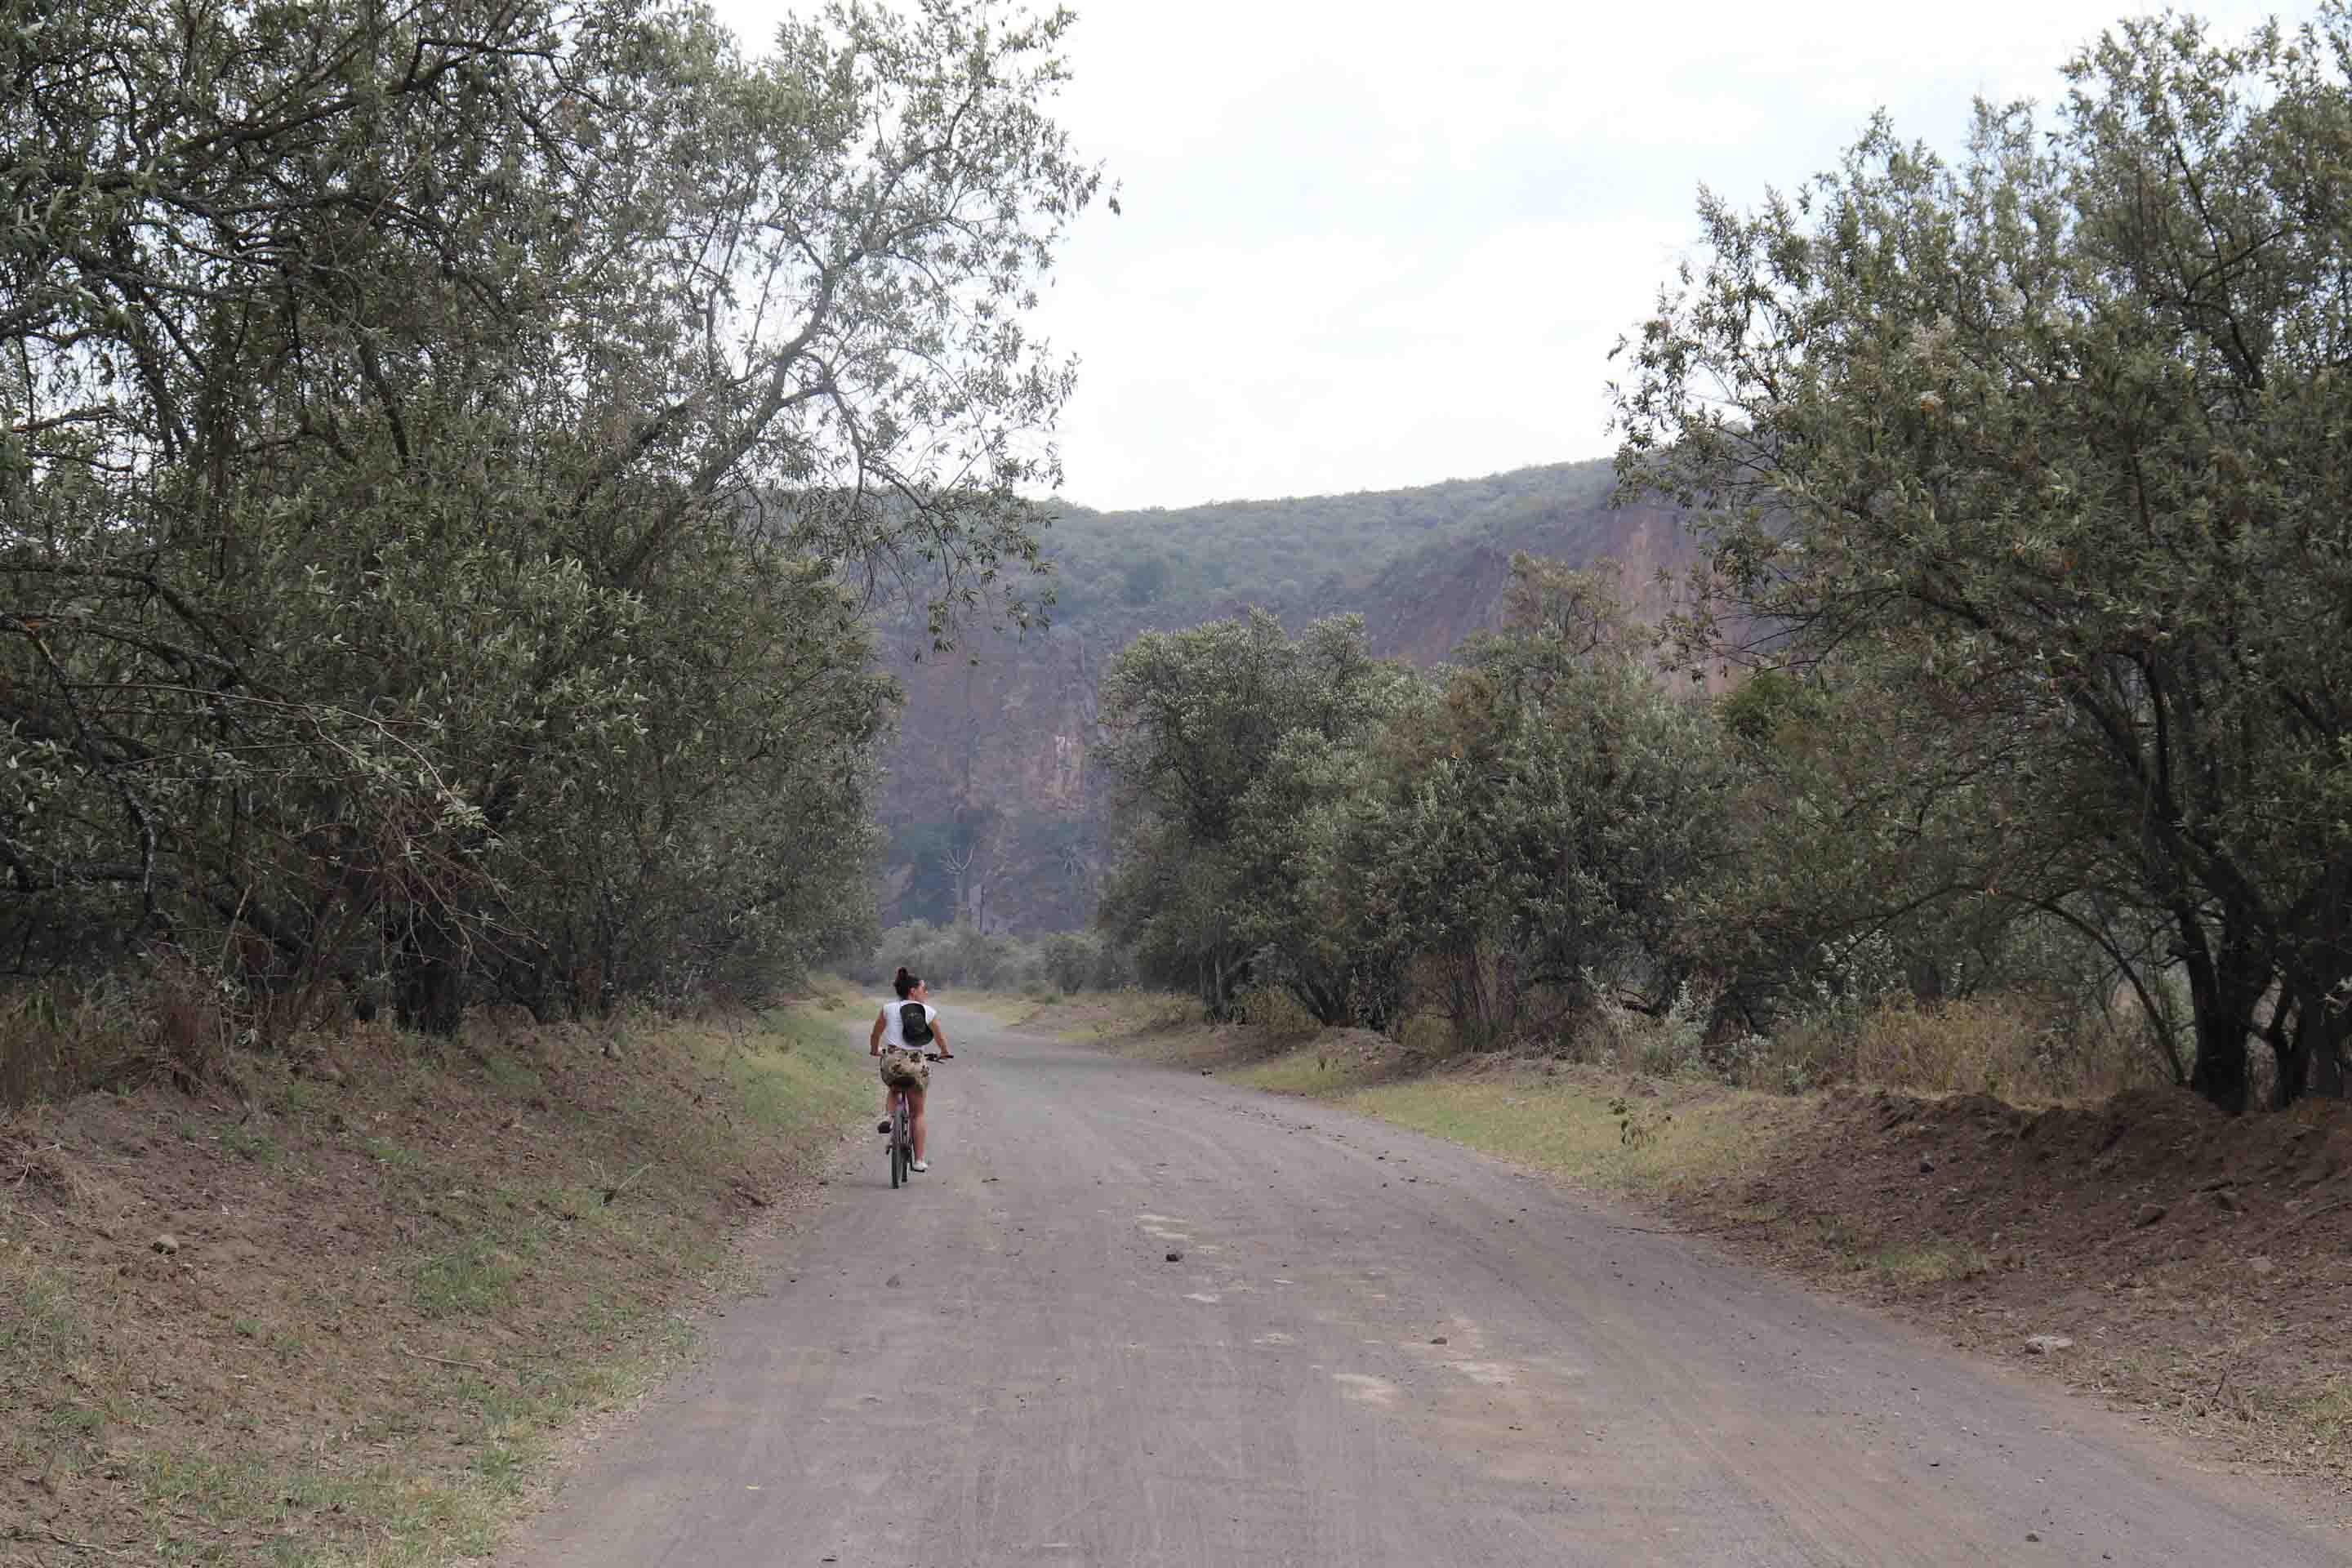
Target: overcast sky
{"points": [[1373, 244]]}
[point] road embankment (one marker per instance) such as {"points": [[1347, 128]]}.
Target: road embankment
{"points": [[342, 1308]]}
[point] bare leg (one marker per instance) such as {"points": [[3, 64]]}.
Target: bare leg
{"points": [[915, 1098]]}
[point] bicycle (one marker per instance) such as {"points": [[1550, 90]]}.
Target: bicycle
{"points": [[902, 1128]]}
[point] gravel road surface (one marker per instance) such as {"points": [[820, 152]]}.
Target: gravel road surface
{"points": [[1374, 1350]]}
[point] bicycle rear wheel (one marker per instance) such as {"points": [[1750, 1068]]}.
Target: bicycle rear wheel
{"points": [[899, 1158]]}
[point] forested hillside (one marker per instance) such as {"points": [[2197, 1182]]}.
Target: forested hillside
{"points": [[1279, 553], [994, 806]]}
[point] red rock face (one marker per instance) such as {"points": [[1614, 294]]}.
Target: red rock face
{"points": [[989, 798], [1419, 609]]}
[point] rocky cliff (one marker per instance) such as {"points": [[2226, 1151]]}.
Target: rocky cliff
{"points": [[990, 803]]}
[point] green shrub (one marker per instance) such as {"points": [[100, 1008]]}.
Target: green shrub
{"points": [[1430, 1036], [1276, 1013]]}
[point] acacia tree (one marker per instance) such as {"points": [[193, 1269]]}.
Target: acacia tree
{"points": [[1308, 916], [1543, 813], [1218, 738], [2062, 426], [1887, 838], [423, 427]]}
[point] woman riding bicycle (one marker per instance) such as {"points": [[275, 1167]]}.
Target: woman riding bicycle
{"points": [[903, 1067]]}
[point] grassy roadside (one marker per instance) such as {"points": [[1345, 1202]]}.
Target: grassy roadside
{"points": [[1132, 1019], [1688, 1144], [1649, 1139], [340, 1317]]}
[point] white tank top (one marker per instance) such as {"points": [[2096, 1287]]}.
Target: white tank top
{"points": [[894, 1034]]}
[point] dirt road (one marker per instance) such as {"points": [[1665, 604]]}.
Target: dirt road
{"points": [[1375, 1349]]}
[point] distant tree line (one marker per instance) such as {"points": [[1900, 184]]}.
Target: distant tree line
{"points": [[2027, 487], [445, 454], [962, 955]]}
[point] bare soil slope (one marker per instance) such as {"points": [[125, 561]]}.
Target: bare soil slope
{"points": [[334, 1313], [2200, 1265]]}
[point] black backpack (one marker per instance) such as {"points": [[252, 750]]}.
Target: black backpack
{"points": [[915, 1024]]}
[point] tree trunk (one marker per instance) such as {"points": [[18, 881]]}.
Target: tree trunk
{"points": [[2328, 1066], [427, 976], [2289, 1038], [2225, 987], [2328, 1023], [1225, 980], [2220, 1073], [2223, 993], [2307, 1030]]}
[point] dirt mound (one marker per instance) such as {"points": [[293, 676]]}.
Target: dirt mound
{"points": [[2147, 1246], [2088, 1177]]}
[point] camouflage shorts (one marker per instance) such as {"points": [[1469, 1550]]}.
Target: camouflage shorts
{"points": [[905, 1069]]}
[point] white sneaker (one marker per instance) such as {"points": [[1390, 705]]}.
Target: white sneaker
{"points": [[920, 1166]]}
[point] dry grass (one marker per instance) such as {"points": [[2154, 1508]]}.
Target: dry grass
{"points": [[2000, 1047], [1589, 1126], [1090, 1015], [1003, 1006], [60, 1039], [2008, 1046], [1987, 1221], [392, 1285], [2328, 1414], [1590, 1134], [2222, 1395], [44, 1344], [1317, 1073], [1930, 1263], [1276, 1015], [1846, 1249], [832, 994], [1823, 1185]]}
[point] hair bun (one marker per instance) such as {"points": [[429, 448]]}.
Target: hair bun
{"points": [[902, 976]]}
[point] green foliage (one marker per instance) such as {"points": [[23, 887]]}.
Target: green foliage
{"points": [[1230, 744], [1637, 1125], [2055, 443], [1878, 859], [1275, 1013], [1303, 819], [446, 457], [1072, 962], [1547, 813]]}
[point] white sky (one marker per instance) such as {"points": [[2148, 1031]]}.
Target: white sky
{"points": [[1375, 245]]}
